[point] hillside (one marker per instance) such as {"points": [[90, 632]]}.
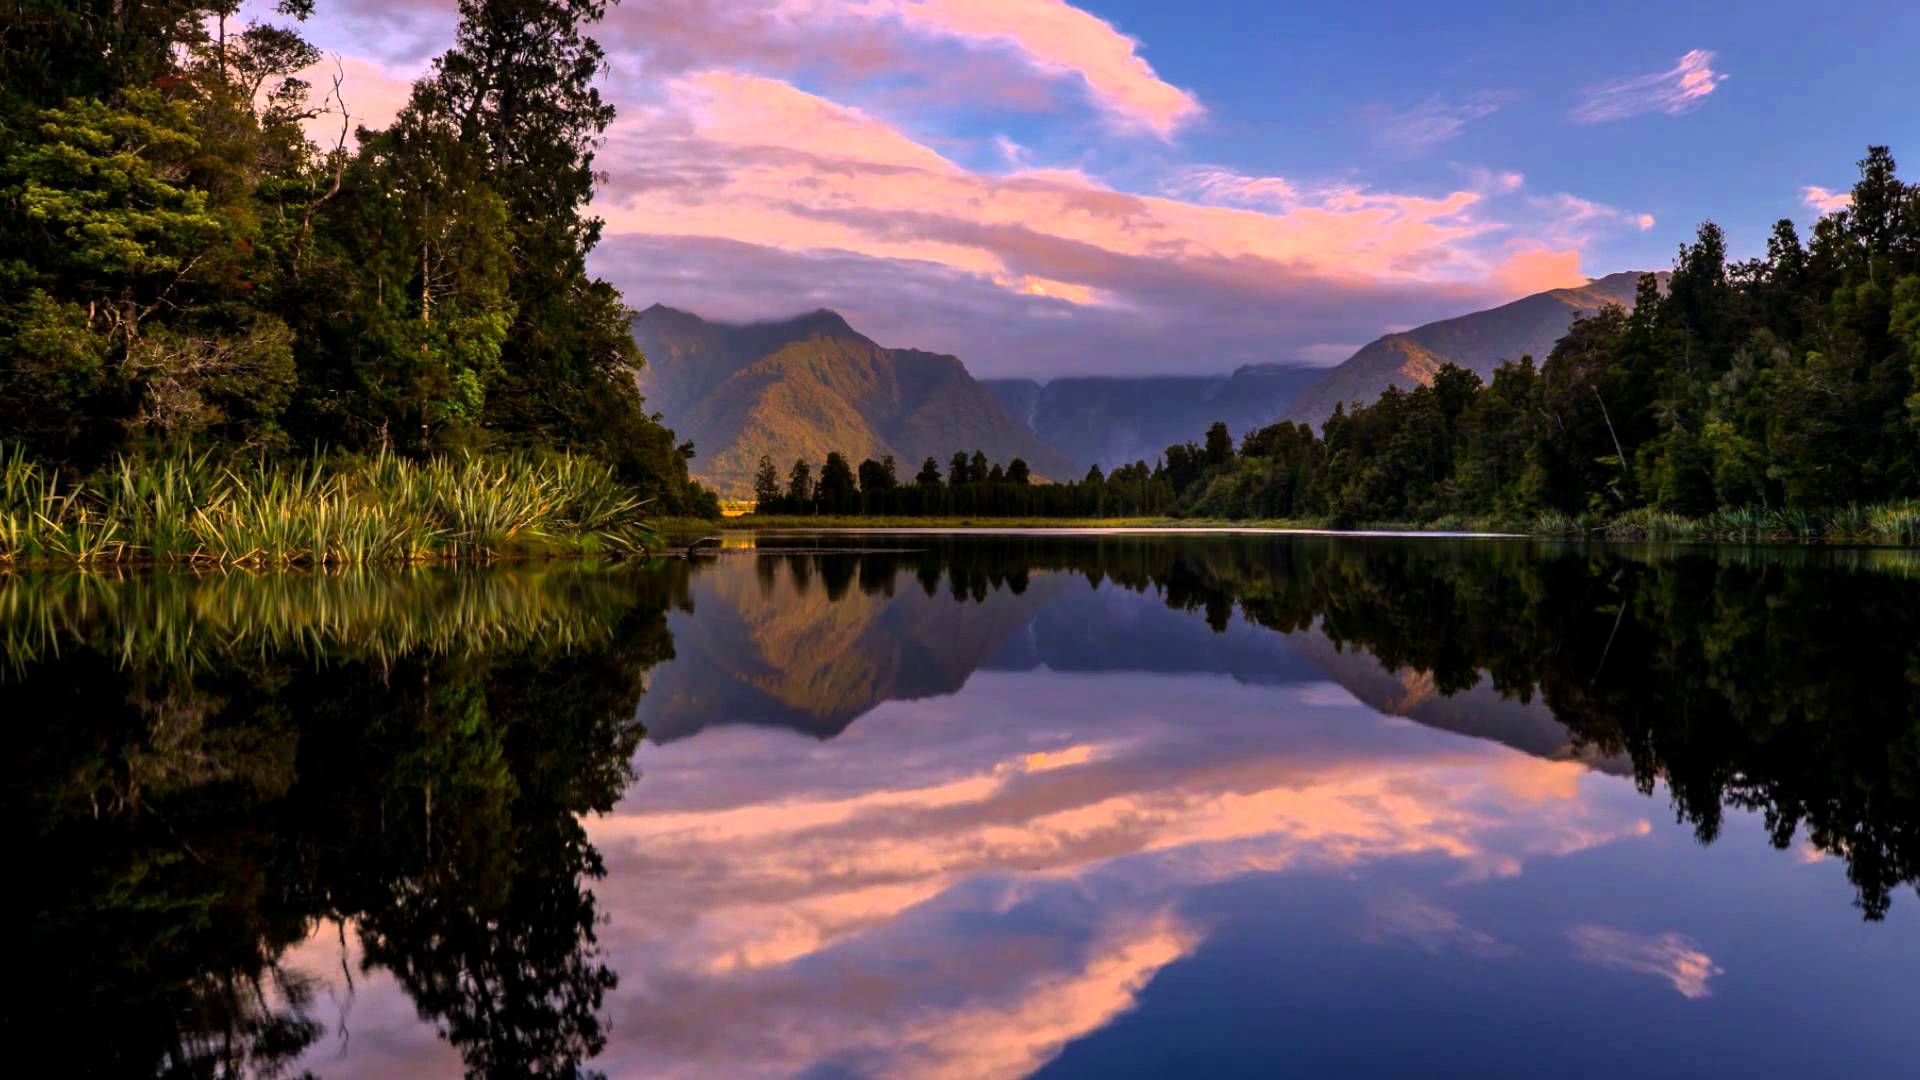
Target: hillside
{"points": [[1116, 420], [1480, 342], [805, 386]]}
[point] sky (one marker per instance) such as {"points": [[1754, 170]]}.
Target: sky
{"points": [[1046, 188]]}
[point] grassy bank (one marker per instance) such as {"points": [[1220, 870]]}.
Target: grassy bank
{"points": [[346, 512], [1884, 523]]}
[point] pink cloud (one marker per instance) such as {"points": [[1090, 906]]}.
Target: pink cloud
{"points": [[1058, 39], [1215, 185], [1679, 89], [1826, 202], [1535, 271]]}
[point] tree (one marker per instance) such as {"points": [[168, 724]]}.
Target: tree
{"points": [[800, 485], [1018, 472], [766, 485], [877, 479], [929, 476], [977, 467], [959, 471], [836, 493], [1219, 444]]}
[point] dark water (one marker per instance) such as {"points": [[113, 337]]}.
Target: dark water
{"points": [[972, 808]]}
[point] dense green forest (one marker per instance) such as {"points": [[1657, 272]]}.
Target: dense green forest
{"points": [[182, 267], [1772, 396], [1784, 383]]}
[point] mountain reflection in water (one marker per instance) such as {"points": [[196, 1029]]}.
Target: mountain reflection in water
{"points": [[977, 807]]}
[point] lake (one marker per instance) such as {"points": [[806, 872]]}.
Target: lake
{"points": [[990, 806]]}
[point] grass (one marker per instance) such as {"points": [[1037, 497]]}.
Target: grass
{"points": [[1889, 523], [361, 512]]}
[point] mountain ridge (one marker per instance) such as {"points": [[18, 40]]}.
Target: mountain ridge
{"points": [[1479, 341], [811, 384]]}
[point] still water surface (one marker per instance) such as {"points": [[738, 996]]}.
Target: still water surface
{"points": [[983, 807]]}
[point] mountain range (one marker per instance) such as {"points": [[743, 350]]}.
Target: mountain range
{"points": [[1480, 342], [1117, 420], [805, 386]]}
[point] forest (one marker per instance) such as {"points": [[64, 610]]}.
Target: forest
{"points": [[186, 272], [1772, 397], [1774, 393]]}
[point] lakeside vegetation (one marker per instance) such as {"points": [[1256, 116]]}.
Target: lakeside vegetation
{"points": [[324, 512], [187, 273]]}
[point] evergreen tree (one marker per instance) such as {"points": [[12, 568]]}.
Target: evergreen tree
{"points": [[800, 485], [836, 493], [766, 485]]}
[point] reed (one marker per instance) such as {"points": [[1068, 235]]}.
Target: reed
{"points": [[350, 512], [1888, 523]]}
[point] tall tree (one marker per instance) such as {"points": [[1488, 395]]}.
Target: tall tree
{"points": [[766, 484], [800, 484]]}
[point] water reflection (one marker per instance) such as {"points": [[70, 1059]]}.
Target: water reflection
{"points": [[975, 808], [209, 768]]}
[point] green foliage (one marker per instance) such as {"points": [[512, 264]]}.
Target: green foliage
{"points": [[1788, 384], [180, 266], [383, 510]]}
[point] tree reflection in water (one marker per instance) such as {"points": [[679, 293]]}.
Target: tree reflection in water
{"points": [[209, 769]]}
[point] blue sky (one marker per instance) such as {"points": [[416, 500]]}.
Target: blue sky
{"points": [[1046, 187], [1806, 91]]}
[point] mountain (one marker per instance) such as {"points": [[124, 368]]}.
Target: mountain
{"points": [[1114, 420], [805, 386], [1480, 342]]}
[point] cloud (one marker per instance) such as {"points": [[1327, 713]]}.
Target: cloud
{"points": [[1673, 957], [1217, 186], [1058, 39], [1574, 219], [1679, 89], [1433, 121], [1826, 202], [726, 157]]}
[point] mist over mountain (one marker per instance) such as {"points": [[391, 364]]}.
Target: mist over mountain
{"points": [[1114, 420], [1480, 342], [808, 385]]}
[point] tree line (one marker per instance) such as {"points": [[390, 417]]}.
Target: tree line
{"points": [[1787, 382], [184, 266], [971, 485]]}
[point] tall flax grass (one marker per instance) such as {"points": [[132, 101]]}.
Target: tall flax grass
{"points": [[360, 512], [1888, 523]]}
